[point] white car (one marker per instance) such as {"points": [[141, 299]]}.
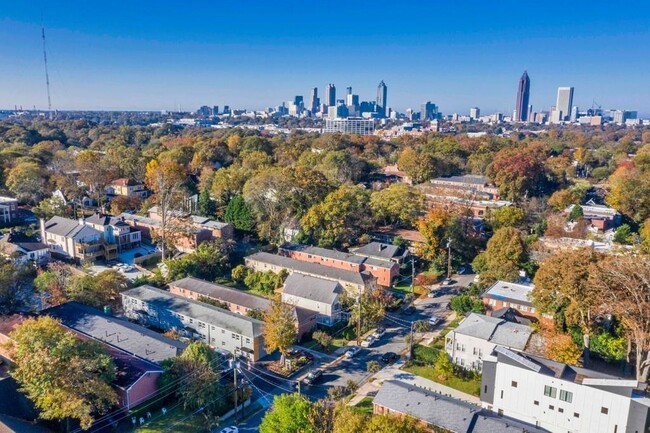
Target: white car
{"points": [[231, 429], [368, 341], [432, 294], [447, 282], [352, 352], [379, 332], [433, 321]]}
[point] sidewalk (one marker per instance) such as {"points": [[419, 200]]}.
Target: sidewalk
{"points": [[394, 373]]}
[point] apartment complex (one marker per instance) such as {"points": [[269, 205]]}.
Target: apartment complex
{"points": [[510, 295], [477, 336], [314, 294], [562, 398], [599, 216], [116, 231], [8, 210], [221, 329]]}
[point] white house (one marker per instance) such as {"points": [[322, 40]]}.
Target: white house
{"points": [[562, 398], [315, 294], [73, 239], [477, 336], [22, 248]]}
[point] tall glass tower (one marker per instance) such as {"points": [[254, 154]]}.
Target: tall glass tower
{"points": [[523, 95], [382, 93]]}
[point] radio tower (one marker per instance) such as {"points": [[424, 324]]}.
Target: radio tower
{"points": [[47, 75]]}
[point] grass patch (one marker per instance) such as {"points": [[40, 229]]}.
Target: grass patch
{"points": [[469, 385], [364, 406], [425, 355], [177, 417], [341, 337]]}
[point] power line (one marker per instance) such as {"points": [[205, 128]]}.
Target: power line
{"points": [[47, 74]]}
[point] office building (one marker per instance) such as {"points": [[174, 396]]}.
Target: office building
{"points": [[382, 95], [562, 398], [428, 111], [474, 113], [523, 96], [314, 102], [331, 95], [564, 103], [620, 117], [351, 125], [348, 90], [367, 107], [574, 114]]}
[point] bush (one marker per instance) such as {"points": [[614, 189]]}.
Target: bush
{"points": [[464, 304]]}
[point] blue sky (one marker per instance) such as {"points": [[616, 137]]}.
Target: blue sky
{"points": [[156, 55]]}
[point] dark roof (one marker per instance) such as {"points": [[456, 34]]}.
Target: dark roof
{"points": [[222, 293], [511, 315], [381, 251], [129, 368], [358, 278], [312, 288], [15, 240], [471, 179], [446, 412], [212, 315], [10, 425], [324, 252], [68, 228], [119, 333]]}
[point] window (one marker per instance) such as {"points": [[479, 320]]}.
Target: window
{"points": [[535, 402], [223, 331], [576, 415], [550, 406], [248, 341], [550, 391], [566, 396], [513, 383], [501, 393], [475, 351], [604, 410], [559, 409], [485, 389], [480, 352]]}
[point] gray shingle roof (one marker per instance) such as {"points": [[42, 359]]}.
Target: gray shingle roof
{"points": [[435, 409], [209, 314], [472, 179], [313, 288], [124, 335], [379, 250], [497, 331], [510, 291], [223, 293], [314, 269], [69, 228], [324, 252]]}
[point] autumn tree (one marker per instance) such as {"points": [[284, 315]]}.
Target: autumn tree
{"points": [[65, 377], [279, 327], [519, 172], [562, 198], [340, 219], [290, 414], [562, 290], [26, 180], [323, 338], [432, 228], [97, 291], [443, 369], [561, 347], [503, 258], [419, 166], [630, 192], [94, 173], [507, 216], [644, 233], [209, 261], [165, 179], [399, 205], [623, 286], [123, 203], [371, 307]]}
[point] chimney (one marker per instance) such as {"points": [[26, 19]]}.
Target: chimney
{"points": [[381, 247]]}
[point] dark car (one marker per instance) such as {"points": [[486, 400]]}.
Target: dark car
{"points": [[394, 304], [302, 353], [313, 376], [409, 310], [389, 357]]}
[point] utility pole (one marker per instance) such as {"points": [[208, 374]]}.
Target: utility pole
{"points": [[411, 342], [412, 272], [449, 258], [47, 75], [234, 375], [359, 321]]}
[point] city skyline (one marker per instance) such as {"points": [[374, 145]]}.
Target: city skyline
{"points": [[117, 60]]}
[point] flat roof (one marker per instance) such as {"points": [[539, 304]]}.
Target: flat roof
{"points": [[510, 291], [497, 331], [212, 315]]}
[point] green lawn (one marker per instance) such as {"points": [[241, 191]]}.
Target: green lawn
{"points": [[468, 386], [180, 419], [341, 338], [364, 406]]}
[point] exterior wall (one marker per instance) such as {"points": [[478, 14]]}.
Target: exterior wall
{"points": [[496, 304], [527, 402], [143, 389], [8, 210], [216, 337], [384, 276], [466, 351], [186, 293], [325, 261], [328, 314]]}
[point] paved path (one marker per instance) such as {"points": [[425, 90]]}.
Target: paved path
{"points": [[394, 373]]}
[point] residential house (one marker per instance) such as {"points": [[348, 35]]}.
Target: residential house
{"points": [[126, 187], [382, 269], [185, 240], [8, 210], [352, 281], [437, 411], [70, 239], [387, 234], [237, 301], [562, 398], [469, 184], [20, 248], [314, 294], [599, 216], [382, 251], [510, 295], [220, 230], [221, 329], [116, 231], [128, 337], [477, 336]]}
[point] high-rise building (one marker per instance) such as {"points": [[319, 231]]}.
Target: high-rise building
{"points": [[382, 95], [352, 125], [474, 113], [523, 96], [331, 95], [313, 100], [564, 102], [348, 90], [428, 111], [574, 114]]}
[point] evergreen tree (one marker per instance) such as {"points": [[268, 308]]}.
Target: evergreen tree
{"points": [[207, 206], [238, 214]]}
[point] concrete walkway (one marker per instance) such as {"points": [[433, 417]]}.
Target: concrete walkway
{"points": [[393, 372]]}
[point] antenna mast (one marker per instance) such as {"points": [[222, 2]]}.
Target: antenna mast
{"points": [[47, 75]]}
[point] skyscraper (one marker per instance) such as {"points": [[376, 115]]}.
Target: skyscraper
{"points": [[331, 95], [314, 102], [382, 94], [474, 113], [428, 111], [523, 95], [564, 102], [348, 90]]}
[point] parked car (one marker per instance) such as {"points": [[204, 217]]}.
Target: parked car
{"points": [[433, 321], [352, 352], [313, 376], [302, 354], [379, 332], [389, 357], [447, 282], [408, 310], [394, 304], [477, 278], [129, 268], [462, 270], [368, 341], [433, 294], [231, 429]]}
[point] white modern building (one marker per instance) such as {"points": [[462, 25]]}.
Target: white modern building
{"points": [[564, 102], [562, 398], [477, 336], [351, 125]]}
